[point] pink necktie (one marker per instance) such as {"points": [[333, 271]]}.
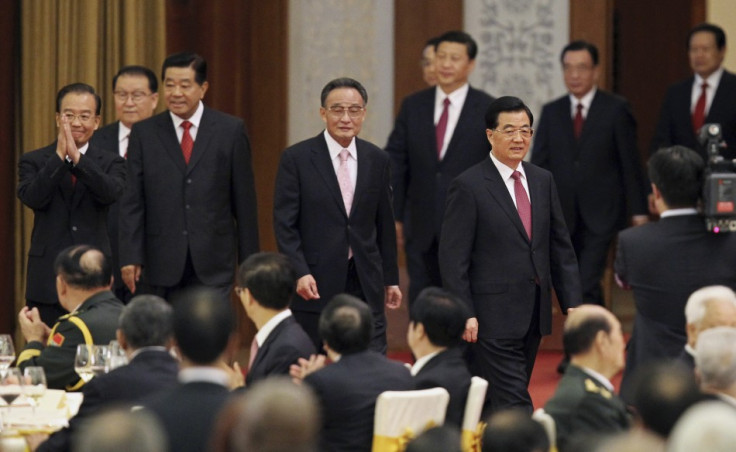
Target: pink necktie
{"points": [[522, 203], [186, 142], [253, 353], [578, 121], [441, 128], [699, 112], [346, 187]]}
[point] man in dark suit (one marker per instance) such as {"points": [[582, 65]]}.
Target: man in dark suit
{"points": [[203, 325], [69, 185], [433, 142], [348, 388], [502, 256], [332, 214], [664, 262], [83, 278], [436, 326], [135, 90], [188, 214], [707, 97], [266, 283], [706, 308], [584, 403], [587, 139], [145, 332]]}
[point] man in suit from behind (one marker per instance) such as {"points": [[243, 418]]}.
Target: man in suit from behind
{"points": [[203, 325], [135, 90], [504, 246], [584, 402], [436, 326], [666, 261], [266, 283], [437, 135], [348, 388], [188, 215], [69, 185], [706, 97], [332, 215], [706, 308], [145, 333], [587, 139]]}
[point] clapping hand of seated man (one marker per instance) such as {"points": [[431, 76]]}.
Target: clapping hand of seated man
{"points": [[306, 287], [32, 326], [131, 274], [393, 297], [305, 367], [471, 330]]}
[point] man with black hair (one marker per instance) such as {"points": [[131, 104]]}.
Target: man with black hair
{"points": [[203, 325], [348, 388], [266, 283], [135, 92], [145, 333], [188, 215], [69, 184], [514, 431], [436, 326], [664, 262], [584, 402], [83, 278]]}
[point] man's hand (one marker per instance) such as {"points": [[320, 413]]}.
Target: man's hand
{"points": [[305, 367], [234, 374], [61, 139], [471, 330], [131, 274], [393, 297], [32, 326], [306, 287], [71, 146], [638, 220], [399, 234]]}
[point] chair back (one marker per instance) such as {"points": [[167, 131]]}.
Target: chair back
{"points": [[472, 428], [402, 415], [549, 425]]}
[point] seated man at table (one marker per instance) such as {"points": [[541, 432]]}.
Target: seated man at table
{"points": [[83, 280], [145, 333]]}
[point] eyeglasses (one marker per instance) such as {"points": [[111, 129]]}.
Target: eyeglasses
{"points": [[525, 132], [354, 111], [83, 118], [137, 96]]}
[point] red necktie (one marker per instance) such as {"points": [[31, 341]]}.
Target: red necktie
{"points": [[253, 353], [578, 121], [186, 141], [441, 128], [522, 203], [699, 112]]}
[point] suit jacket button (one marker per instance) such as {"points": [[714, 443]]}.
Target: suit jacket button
{"points": [[189, 181], [184, 232], [74, 228], [187, 207]]}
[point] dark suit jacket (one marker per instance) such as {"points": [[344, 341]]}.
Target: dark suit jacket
{"points": [[65, 214], [313, 229], [283, 347], [675, 124], [447, 370], [188, 413], [581, 406], [206, 208], [348, 390], [665, 262], [419, 180], [487, 259], [149, 372], [599, 175]]}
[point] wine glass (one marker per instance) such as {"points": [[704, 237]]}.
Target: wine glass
{"points": [[83, 362], [35, 384], [7, 352], [11, 386], [117, 355], [100, 359]]}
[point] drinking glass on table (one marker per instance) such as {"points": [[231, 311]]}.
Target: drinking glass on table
{"points": [[7, 352], [100, 359], [117, 355], [35, 384], [83, 362], [11, 386]]}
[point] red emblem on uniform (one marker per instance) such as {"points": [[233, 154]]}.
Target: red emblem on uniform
{"points": [[57, 339]]}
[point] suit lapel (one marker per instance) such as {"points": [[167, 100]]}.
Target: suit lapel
{"points": [[263, 349], [497, 188], [536, 194], [426, 119], [594, 113], [207, 129], [463, 122], [323, 165], [365, 164], [167, 135], [723, 98]]}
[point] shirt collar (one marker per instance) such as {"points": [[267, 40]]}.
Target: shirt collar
{"points": [[690, 350], [123, 131], [586, 100], [421, 362], [713, 79], [457, 97], [205, 374], [156, 348], [267, 327], [195, 119], [678, 212], [335, 148], [601, 379], [506, 171], [83, 149]]}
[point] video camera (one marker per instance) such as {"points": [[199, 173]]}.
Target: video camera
{"points": [[719, 189]]}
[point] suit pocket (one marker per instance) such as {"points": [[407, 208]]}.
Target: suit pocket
{"points": [[489, 287]]}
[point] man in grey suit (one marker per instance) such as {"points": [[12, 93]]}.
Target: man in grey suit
{"points": [[438, 134], [189, 213], [332, 214]]}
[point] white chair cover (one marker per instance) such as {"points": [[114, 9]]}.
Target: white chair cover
{"points": [[472, 428], [548, 423]]}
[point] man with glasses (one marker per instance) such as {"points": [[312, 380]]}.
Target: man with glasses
{"points": [[333, 217], [69, 185], [504, 246], [135, 91], [587, 139]]}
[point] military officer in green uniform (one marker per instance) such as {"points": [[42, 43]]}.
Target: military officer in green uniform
{"points": [[83, 280], [584, 402]]}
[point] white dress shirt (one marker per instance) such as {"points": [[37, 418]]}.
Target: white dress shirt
{"points": [[713, 80], [335, 148], [457, 100], [585, 101], [506, 173], [123, 139], [195, 120]]}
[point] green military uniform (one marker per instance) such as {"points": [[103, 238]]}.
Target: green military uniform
{"points": [[583, 405], [94, 322]]}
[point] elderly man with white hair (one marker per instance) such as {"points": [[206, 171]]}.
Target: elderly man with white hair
{"points": [[706, 308], [715, 363]]}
